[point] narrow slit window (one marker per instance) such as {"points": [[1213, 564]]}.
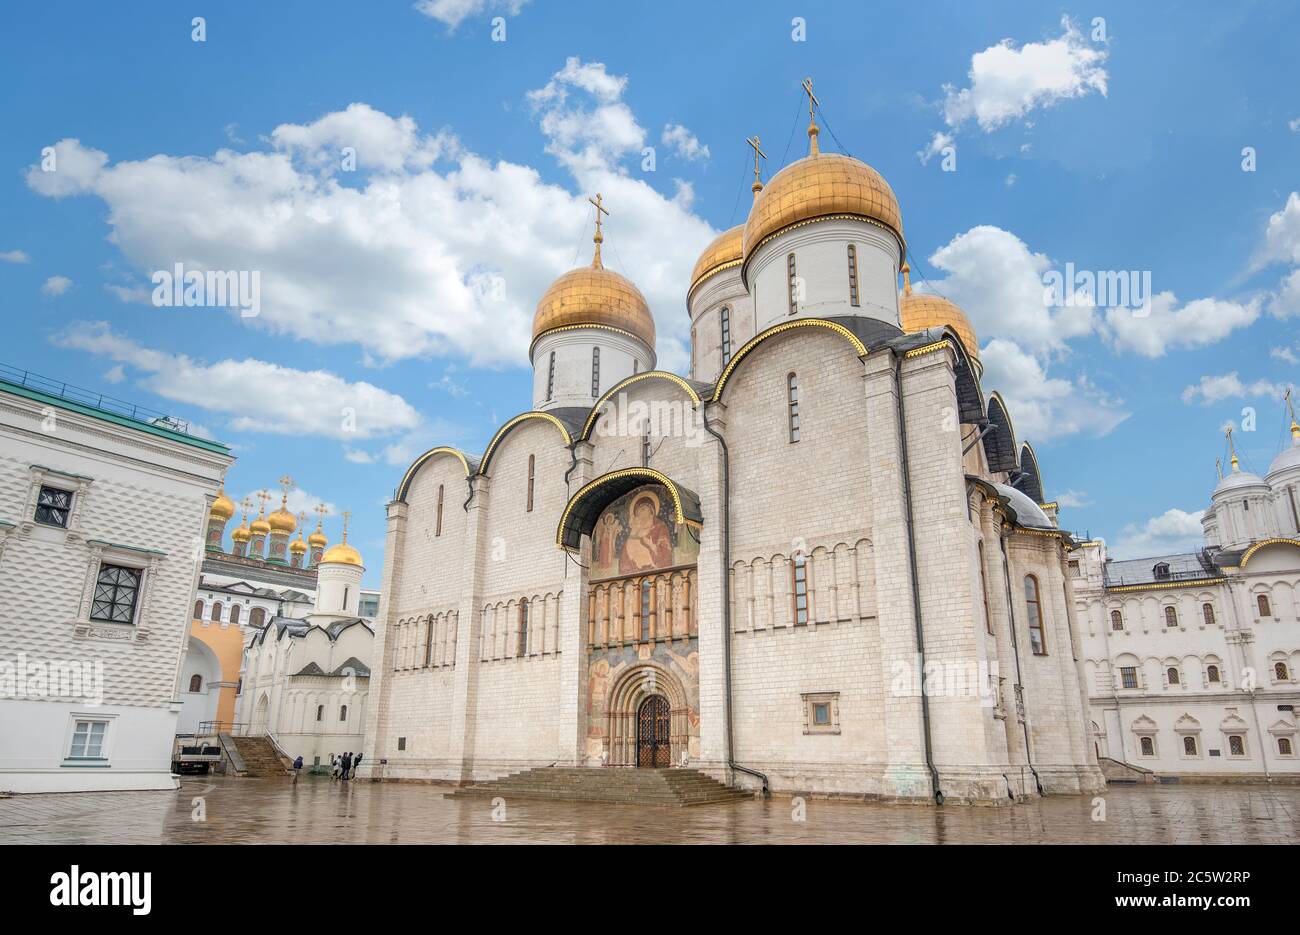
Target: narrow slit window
{"points": [[532, 465], [792, 391], [595, 373], [1035, 606], [794, 285], [726, 334], [521, 647], [437, 526], [853, 275], [550, 378], [799, 589]]}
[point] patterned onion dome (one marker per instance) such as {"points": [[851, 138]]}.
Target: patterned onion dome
{"points": [[317, 540], [821, 186], [723, 253], [918, 311], [342, 554], [241, 533], [282, 520], [593, 295], [223, 507]]}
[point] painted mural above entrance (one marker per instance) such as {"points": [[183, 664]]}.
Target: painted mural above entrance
{"points": [[638, 533]]}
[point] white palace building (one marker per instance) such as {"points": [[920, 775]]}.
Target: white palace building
{"points": [[1191, 658], [747, 570]]}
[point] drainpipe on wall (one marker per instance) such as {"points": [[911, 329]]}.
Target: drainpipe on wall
{"points": [[726, 602], [906, 471]]}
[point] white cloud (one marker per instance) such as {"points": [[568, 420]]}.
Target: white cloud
{"points": [[1076, 499], [1285, 302], [428, 248], [1294, 125], [684, 143], [115, 374], [257, 396], [1199, 323], [1007, 83], [1172, 531], [452, 13], [1284, 354], [1212, 389], [15, 256], [299, 501], [1282, 235], [132, 294], [1042, 407], [357, 456], [938, 143], [56, 285]]}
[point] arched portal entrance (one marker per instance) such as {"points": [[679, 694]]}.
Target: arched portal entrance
{"points": [[260, 714], [654, 733]]}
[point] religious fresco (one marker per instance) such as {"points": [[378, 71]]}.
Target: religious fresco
{"points": [[638, 532], [680, 662]]}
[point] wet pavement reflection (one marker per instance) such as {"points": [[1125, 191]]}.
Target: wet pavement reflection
{"points": [[220, 810]]}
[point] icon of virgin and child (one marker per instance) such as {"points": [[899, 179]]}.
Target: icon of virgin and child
{"points": [[636, 533]]}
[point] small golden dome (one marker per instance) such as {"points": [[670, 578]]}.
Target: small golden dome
{"points": [[317, 539], [223, 507], [725, 251], [822, 185], [241, 532], [593, 295], [260, 525], [342, 554], [282, 520], [918, 311], [297, 546]]}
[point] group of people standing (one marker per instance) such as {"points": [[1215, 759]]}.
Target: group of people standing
{"points": [[341, 767]]}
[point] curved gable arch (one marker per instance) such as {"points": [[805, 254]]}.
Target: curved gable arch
{"points": [[966, 374], [442, 450], [1030, 481], [1265, 543], [583, 508], [1000, 442], [594, 417], [516, 421], [858, 347]]}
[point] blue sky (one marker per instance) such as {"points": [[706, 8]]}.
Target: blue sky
{"points": [[404, 290]]}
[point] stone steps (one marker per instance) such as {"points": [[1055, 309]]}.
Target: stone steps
{"points": [[257, 756], [621, 786]]}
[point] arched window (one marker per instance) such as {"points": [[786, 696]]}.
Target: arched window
{"points": [[1284, 747], [984, 591], [521, 646], [1116, 620], [320, 712], [1189, 744], [1212, 674], [258, 617], [343, 712], [196, 683], [1172, 673], [1171, 616], [532, 467], [1236, 745], [793, 284], [1280, 672], [645, 609], [1148, 746], [437, 525], [1208, 611], [1035, 607], [1161, 571], [792, 401], [550, 378], [198, 610], [216, 611], [853, 275], [234, 613], [595, 373], [1265, 610], [725, 317], [799, 588]]}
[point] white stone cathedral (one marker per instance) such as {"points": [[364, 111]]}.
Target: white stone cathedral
{"points": [[747, 571]]}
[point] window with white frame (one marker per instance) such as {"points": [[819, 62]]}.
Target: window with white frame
{"points": [[89, 740], [53, 506], [117, 590], [1236, 745], [821, 713], [1147, 745], [1128, 677]]}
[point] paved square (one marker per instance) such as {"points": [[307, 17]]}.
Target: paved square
{"points": [[315, 810]]}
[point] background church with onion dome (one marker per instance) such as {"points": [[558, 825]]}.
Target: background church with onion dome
{"points": [[749, 570]]}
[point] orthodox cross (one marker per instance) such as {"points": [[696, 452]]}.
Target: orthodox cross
{"points": [[599, 238], [323, 511], [1232, 448], [346, 516], [1290, 407], [758, 180], [813, 103], [263, 496], [286, 484]]}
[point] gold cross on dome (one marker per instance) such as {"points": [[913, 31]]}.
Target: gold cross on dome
{"points": [[753, 141], [813, 103], [599, 238], [264, 497], [323, 511], [346, 516], [1232, 448]]}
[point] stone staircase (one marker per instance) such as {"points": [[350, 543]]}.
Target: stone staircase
{"points": [[1120, 773], [620, 786], [253, 756]]}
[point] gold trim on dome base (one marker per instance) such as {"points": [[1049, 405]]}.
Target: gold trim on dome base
{"points": [[586, 324], [593, 294], [921, 310]]}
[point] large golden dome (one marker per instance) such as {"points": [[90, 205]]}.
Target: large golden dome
{"points": [[821, 186], [723, 253], [593, 295], [342, 553], [918, 311], [223, 507], [282, 520]]}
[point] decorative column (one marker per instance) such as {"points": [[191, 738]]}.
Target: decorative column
{"points": [[574, 626], [710, 611], [464, 699]]}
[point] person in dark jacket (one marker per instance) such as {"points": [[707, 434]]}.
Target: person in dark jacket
{"points": [[347, 765]]}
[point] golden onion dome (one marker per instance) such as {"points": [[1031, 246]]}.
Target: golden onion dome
{"points": [[593, 295], [342, 554], [241, 532], [317, 539], [223, 507], [918, 311], [821, 186], [282, 520], [260, 525], [723, 253], [297, 546]]}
